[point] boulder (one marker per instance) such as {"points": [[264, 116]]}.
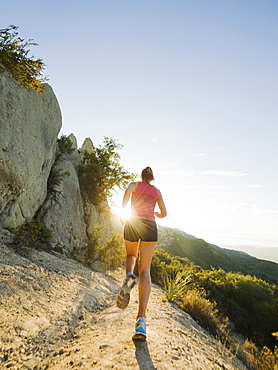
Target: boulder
{"points": [[63, 211], [29, 126], [75, 156]]}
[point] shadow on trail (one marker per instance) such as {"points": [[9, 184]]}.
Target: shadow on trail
{"points": [[143, 356]]}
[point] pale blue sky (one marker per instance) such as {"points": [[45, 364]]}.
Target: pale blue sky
{"points": [[188, 87]]}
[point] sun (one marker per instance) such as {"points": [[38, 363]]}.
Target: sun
{"points": [[125, 213], [116, 206]]}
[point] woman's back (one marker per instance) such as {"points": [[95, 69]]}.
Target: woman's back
{"points": [[143, 201]]}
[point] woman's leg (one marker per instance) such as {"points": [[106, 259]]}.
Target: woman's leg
{"points": [[129, 282], [131, 255], [144, 285]]}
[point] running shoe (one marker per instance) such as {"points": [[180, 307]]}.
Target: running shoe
{"points": [[124, 295], [140, 329]]}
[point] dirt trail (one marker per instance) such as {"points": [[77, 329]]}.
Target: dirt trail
{"points": [[57, 314]]}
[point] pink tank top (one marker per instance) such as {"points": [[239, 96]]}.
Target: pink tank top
{"points": [[143, 201]]}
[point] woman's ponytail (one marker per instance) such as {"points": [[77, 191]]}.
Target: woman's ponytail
{"points": [[147, 175]]}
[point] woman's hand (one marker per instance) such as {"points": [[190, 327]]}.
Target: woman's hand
{"points": [[159, 215], [161, 206]]}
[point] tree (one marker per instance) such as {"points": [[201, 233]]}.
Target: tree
{"points": [[100, 171], [14, 57]]}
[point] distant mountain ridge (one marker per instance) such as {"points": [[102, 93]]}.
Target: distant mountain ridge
{"points": [[179, 243], [270, 254]]}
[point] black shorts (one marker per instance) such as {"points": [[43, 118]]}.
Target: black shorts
{"points": [[136, 229]]}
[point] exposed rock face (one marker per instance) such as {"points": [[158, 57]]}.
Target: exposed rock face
{"points": [[29, 125], [87, 145], [36, 179], [63, 212]]}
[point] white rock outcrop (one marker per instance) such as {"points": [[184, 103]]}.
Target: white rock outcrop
{"points": [[63, 211], [38, 180], [87, 145], [29, 126]]}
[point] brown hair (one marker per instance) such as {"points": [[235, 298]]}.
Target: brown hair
{"points": [[147, 175]]}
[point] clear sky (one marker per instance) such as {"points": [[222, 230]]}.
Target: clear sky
{"points": [[189, 87]]}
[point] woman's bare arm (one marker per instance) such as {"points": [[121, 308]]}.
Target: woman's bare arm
{"points": [[126, 197], [127, 194], [161, 205]]}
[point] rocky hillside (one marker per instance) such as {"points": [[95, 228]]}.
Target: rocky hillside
{"points": [[37, 181]]}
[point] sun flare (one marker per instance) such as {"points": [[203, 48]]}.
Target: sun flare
{"points": [[125, 213]]}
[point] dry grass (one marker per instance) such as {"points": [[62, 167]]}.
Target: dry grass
{"points": [[205, 312]]}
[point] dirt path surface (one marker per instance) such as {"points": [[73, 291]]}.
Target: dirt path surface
{"points": [[58, 314]]}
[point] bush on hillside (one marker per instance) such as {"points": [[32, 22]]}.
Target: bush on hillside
{"points": [[108, 250], [256, 359], [163, 264], [32, 234], [175, 285], [269, 358], [100, 171], [65, 145], [112, 253], [14, 57], [251, 303], [201, 309]]}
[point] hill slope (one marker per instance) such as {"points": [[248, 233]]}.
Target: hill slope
{"points": [[58, 314], [206, 255]]}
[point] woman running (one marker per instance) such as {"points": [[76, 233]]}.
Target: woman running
{"points": [[140, 233]]}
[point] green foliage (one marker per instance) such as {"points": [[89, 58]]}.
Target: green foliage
{"points": [[247, 352], [250, 355], [112, 253], [96, 239], [174, 274], [32, 234], [176, 286], [100, 171], [206, 255], [196, 250], [14, 57], [247, 264], [109, 251], [163, 264], [269, 358], [251, 303], [65, 145]]}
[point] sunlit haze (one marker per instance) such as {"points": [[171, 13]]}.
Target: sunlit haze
{"points": [[189, 88]]}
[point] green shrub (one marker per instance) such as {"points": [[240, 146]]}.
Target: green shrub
{"points": [[65, 145], [32, 234], [175, 285], [98, 238], [270, 358], [109, 251], [163, 265], [112, 253], [247, 352], [100, 171], [14, 57], [249, 302]]}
